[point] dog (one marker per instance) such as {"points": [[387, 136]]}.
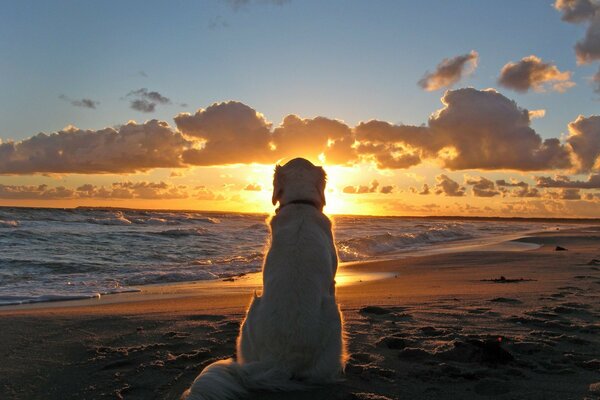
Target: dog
{"points": [[292, 337]]}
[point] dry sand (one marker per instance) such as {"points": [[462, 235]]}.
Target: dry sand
{"points": [[441, 326]]}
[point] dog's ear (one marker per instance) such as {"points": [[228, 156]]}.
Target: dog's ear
{"points": [[321, 184], [277, 189]]}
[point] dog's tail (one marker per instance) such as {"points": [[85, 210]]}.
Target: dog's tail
{"points": [[228, 380]]}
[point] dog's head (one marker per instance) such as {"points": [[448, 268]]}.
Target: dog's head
{"points": [[299, 179]]}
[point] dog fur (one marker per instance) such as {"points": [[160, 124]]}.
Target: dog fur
{"points": [[292, 336]]}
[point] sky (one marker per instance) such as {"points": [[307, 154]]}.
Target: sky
{"points": [[413, 108]]}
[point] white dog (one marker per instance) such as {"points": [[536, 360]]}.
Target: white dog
{"points": [[292, 336]]}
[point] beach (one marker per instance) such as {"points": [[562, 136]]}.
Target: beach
{"points": [[467, 324]]}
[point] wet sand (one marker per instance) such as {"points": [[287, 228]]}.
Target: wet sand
{"points": [[438, 326]]}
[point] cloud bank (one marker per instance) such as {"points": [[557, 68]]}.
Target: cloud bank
{"points": [[130, 148], [474, 130]]}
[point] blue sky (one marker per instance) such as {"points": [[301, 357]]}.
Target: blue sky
{"points": [[352, 60]]}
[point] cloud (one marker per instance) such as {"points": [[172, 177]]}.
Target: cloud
{"points": [[253, 187], [596, 81], [39, 192], [588, 49], [118, 190], [513, 183], [534, 114], [362, 189], [312, 137], [388, 189], [475, 129], [482, 187], [425, 190], [570, 194], [131, 147], [532, 73], [561, 181], [485, 130], [522, 189], [584, 142], [449, 71], [231, 132], [576, 11], [583, 11], [85, 103], [448, 187], [146, 101]]}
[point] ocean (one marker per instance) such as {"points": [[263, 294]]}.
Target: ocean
{"points": [[61, 254]]}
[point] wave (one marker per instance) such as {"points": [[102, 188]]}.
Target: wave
{"points": [[148, 278], [185, 232], [8, 223], [16, 300], [387, 243], [117, 219]]}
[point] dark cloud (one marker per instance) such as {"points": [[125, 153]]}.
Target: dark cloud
{"points": [[386, 189], [561, 181], [146, 101], [583, 11], [129, 148], [584, 142], [522, 189], [449, 71], [85, 103], [482, 187], [532, 73], [231, 133], [588, 49], [504, 183], [445, 185], [576, 11]]}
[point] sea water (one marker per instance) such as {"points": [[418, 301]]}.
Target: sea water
{"points": [[60, 254]]}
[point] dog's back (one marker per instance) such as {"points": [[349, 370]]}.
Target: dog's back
{"points": [[296, 322]]}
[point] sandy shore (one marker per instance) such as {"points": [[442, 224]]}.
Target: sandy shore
{"points": [[438, 326]]}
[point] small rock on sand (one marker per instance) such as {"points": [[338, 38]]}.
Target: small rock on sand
{"points": [[375, 310], [560, 248], [392, 343]]}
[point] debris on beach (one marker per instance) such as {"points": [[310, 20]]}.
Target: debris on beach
{"points": [[503, 279], [560, 248]]}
